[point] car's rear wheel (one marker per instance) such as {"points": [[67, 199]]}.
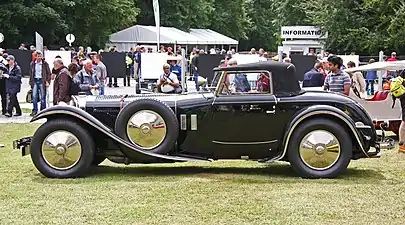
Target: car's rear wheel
{"points": [[320, 148], [62, 149], [148, 124]]}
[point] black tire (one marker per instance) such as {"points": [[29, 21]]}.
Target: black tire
{"points": [[98, 160], [84, 138], [331, 127], [167, 114]]}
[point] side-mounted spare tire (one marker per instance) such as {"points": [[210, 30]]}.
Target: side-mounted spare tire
{"points": [[149, 124]]}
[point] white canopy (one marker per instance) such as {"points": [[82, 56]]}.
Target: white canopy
{"points": [[169, 35], [396, 65]]}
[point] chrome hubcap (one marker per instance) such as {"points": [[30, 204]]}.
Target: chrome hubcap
{"points": [[320, 150], [146, 129], [61, 150]]}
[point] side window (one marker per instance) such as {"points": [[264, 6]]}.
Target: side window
{"points": [[247, 82]]}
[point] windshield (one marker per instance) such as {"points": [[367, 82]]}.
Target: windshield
{"points": [[215, 80]]}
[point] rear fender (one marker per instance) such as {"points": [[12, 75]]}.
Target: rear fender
{"points": [[83, 116], [321, 110]]}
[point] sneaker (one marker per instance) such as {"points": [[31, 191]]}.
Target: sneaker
{"points": [[8, 115], [401, 148], [18, 114], [33, 114]]}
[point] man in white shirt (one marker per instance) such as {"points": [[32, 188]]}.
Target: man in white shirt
{"points": [[168, 82]]}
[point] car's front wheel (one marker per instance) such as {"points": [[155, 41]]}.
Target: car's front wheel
{"points": [[62, 149], [320, 148]]}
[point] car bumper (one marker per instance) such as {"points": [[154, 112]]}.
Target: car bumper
{"points": [[23, 144]]}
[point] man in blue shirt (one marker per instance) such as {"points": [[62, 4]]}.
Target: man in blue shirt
{"points": [[371, 76], [176, 69], [40, 78]]}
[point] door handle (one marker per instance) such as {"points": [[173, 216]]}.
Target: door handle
{"points": [[271, 111]]}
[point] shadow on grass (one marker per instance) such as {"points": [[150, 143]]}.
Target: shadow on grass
{"points": [[273, 171]]}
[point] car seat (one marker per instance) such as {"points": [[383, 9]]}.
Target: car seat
{"points": [[379, 96]]}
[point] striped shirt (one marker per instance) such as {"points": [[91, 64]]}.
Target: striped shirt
{"points": [[336, 82]]}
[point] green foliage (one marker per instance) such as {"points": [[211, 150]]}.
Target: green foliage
{"points": [[363, 26]]}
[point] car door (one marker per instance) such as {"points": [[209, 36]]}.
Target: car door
{"points": [[246, 126]]}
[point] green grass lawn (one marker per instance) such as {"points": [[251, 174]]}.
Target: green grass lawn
{"points": [[228, 192]]}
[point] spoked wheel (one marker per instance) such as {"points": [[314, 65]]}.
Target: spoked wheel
{"points": [[320, 148], [62, 149]]}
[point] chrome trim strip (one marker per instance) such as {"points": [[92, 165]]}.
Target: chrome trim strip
{"points": [[109, 133], [363, 127], [193, 122], [244, 143], [183, 121], [305, 115]]}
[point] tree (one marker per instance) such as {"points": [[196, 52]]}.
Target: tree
{"points": [[32, 16], [263, 33], [93, 21], [181, 14], [230, 18]]}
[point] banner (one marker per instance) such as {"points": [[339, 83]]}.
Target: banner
{"points": [[157, 21], [39, 42]]}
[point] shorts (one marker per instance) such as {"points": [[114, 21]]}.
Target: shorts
{"points": [[402, 100]]}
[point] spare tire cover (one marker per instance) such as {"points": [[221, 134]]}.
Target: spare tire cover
{"points": [[149, 124]]}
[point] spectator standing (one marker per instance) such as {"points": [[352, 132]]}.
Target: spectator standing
{"points": [[127, 78], [110, 79], [131, 54], [3, 94], [138, 59], [393, 57], [87, 79], [61, 85], [13, 86], [176, 69], [40, 78], [195, 64], [371, 76], [101, 71], [337, 81], [314, 77], [358, 82], [22, 47]]}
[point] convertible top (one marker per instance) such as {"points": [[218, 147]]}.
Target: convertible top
{"points": [[285, 81], [396, 65]]}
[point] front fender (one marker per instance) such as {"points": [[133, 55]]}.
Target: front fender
{"points": [[319, 110], [79, 114]]}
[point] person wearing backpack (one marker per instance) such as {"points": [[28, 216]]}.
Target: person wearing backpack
{"points": [[397, 89], [62, 83]]}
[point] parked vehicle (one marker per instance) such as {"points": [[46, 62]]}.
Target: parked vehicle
{"points": [[380, 106], [319, 133]]}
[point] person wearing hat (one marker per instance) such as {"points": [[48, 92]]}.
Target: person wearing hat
{"points": [[13, 86], [168, 82], [40, 78], [174, 68]]}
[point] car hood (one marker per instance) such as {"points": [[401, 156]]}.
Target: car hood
{"points": [[116, 100]]}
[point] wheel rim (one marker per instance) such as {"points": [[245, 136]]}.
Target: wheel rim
{"points": [[61, 150], [146, 129], [320, 150]]}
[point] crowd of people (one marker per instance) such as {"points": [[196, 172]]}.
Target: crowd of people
{"points": [[86, 74], [362, 84]]}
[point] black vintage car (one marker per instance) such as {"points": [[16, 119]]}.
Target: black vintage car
{"points": [[317, 132]]}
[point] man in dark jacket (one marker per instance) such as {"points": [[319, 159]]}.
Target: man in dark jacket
{"points": [[13, 86], [61, 85], [40, 78], [195, 61], [314, 77]]}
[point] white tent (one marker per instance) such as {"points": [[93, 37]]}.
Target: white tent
{"points": [[140, 34]]}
